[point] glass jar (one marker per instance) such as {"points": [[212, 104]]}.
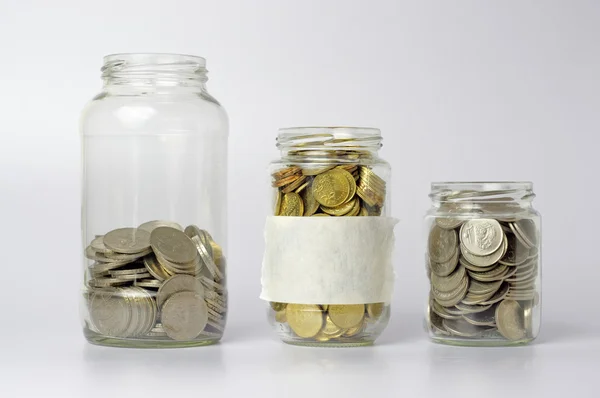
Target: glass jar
{"points": [[483, 263], [327, 271], [154, 217]]}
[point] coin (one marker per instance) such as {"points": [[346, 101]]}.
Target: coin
{"points": [[527, 231], [499, 295], [332, 188], [317, 170], [305, 320], [278, 306], [310, 204], [294, 185], [347, 316], [152, 225], [375, 310], [341, 209], [291, 205], [436, 323], [127, 240], [482, 236], [445, 268], [450, 299], [184, 315], [109, 312], [178, 283], [173, 245], [442, 244], [510, 320], [516, 252], [148, 283], [278, 196], [462, 328], [449, 283], [98, 245], [441, 311], [466, 308], [485, 261], [155, 269], [483, 318]]}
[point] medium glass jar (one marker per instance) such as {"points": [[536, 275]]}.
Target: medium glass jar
{"points": [[483, 263], [154, 198], [327, 270]]}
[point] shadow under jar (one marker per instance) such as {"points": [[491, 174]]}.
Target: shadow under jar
{"points": [[327, 271], [154, 205], [483, 264]]}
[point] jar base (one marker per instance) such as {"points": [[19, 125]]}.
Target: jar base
{"points": [[480, 343], [329, 344], [101, 340]]}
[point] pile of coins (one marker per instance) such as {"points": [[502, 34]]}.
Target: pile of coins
{"points": [[328, 323], [157, 281], [328, 190], [483, 275]]}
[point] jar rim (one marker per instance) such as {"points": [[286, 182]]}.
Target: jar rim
{"points": [[333, 130], [481, 186], [155, 58]]}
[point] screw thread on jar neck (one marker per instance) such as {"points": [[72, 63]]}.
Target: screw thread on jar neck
{"points": [[518, 193], [325, 143], [154, 70]]}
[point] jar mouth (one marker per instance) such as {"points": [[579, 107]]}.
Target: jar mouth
{"points": [[170, 69], [482, 191], [327, 137]]}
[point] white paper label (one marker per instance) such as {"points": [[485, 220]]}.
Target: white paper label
{"points": [[327, 260]]}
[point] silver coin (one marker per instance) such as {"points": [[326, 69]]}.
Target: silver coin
{"points": [[97, 245], [483, 318], [470, 266], [148, 283], [152, 225], [436, 324], [510, 320], [498, 296], [212, 285], [461, 328], [442, 244], [155, 269], [190, 268], [128, 271], [481, 237], [495, 274], [112, 256], [99, 267], [516, 254], [468, 309], [127, 240], [179, 283], [472, 299], [173, 245], [441, 311], [184, 315], [106, 282], [132, 277], [446, 268], [109, 312], [450, 299], [527, 230], [449, 283], [476, 287], [485, 261]]}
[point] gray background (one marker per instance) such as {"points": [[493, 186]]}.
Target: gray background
{"points": [[462, 90]]}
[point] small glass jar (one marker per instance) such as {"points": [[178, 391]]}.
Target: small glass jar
{"points": [[483, 262], [154, 201], [327, 272]]}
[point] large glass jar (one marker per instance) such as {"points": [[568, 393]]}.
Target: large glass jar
{"points": [[154, 205], [327, 271], [484, 263]]}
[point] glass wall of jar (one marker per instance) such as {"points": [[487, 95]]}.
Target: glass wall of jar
{"points": [[335, 185], [154, 201], [483, 263]]}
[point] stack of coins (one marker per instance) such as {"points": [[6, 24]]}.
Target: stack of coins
{"points": [[328, 323], [483, 274], [157, 281], [328, 190]]}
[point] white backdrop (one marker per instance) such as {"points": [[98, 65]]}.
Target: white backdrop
{"points": [[462, 90]]}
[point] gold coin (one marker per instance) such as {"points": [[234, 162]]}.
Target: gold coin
{"points": [[286, 172], [292, 205], [331, 330], [280, 316], [352, 183], [375, 309], [308, 199], [355, 330], [321, 215], [347, 316], [294, 185], [364, 212], [332, 188], [277, 203], [285, 181], [317, 170], [340, 210], [305, 320], [356, 209]]}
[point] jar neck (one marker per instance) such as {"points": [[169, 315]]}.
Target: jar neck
{"points": [[154, 72], [507, 194], [329, 144]]}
